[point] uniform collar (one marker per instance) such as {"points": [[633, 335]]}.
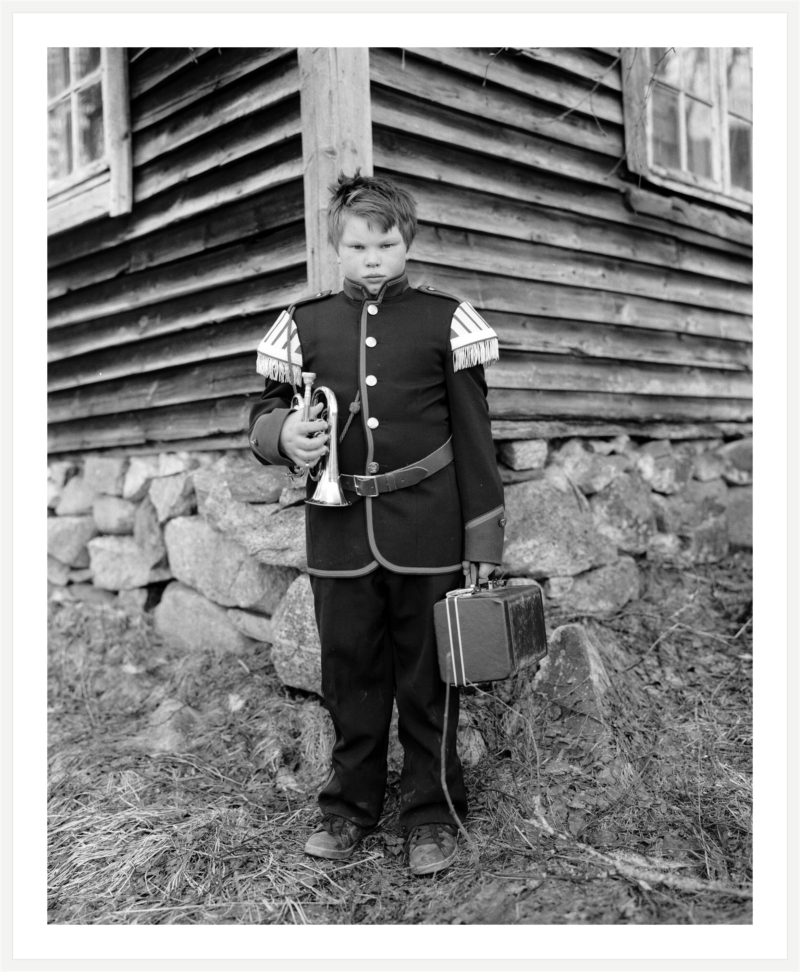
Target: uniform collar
{"points": [[392, 288]]}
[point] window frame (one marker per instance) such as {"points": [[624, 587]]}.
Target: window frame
{"points": [[103, 187], [637, 84]]}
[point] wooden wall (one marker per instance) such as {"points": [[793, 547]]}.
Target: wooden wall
{"points": [[153, 317], [611, 302]]}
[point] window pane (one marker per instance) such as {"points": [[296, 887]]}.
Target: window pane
{"points": [[740, 134], [666, 133], [90, 125], [57, 70], [740, 81], [666, 65], [86, 60], [59, 141], [697, 72], [698, 138]]}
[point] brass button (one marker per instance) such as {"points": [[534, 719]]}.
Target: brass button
{"points": [[373, 423], [372, 309], [370, 342], [502, 522], [372, 468], [371, 380]]}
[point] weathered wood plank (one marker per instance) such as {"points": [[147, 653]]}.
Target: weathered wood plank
{"points": [[532, 261], [677, 210], [468, 95], [584, 62], [237, 221], [504, 430], [118, 130], [169, 386], [337, 136], [524, 78], [280, 250], [156, 64], [205, 343], [519, 296], [252, 175], [220, 68], [208, 443], [246, 136], [90, 204], [219, 304], [546, 373], [503, 167], [221, 416], [258, 91], [593, 340], [447, 205], [524, 404]]}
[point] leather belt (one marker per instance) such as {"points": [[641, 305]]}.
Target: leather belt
{"points": [[399, 478]]}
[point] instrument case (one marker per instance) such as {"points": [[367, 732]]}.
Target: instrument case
{"points": [[485, 635]]}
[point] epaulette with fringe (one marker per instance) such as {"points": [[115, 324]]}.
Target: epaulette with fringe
{"points": [[279, 355], [472, 340]]}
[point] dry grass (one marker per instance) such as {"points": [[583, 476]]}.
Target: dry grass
{"points": [[182, 788]]}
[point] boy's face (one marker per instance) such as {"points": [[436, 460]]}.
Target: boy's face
{"points": [[368, 256]]}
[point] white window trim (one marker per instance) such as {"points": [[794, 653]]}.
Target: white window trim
{"points": [[105, 186], [637, 104]]}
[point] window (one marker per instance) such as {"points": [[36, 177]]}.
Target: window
{"points": [[88, 135], [689, 120]]}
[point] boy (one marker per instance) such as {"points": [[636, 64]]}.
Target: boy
{"points": [[418, 466]]}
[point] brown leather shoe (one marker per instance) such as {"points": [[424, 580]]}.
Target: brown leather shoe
{"points": [[432, 847], [336, 838]]}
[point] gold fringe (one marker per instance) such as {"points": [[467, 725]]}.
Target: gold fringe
{"points": [[480, 352], [270, 367]]}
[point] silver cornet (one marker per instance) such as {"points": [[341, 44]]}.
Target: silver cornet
{"points": [[326, 470]]}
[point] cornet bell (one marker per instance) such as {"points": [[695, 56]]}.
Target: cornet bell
{"points": [[329, 491]]}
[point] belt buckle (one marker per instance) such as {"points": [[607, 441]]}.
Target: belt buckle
{"points": [[361, 483]]}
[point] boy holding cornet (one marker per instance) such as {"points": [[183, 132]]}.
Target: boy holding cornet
{"points": [[425, 503]]}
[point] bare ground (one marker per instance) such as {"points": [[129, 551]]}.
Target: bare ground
{"points": [[197, 815]]}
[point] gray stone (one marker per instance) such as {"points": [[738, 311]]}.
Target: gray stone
{"points": [[82, 576], [112, 514], [134, 600], [740, 516], [600, 592], [77, 497], [159, 574], [255, 626], [90, 594], [172, 495], [573, 677], [270, 533], [173, 727], [471, 745], [708, 466], [190, 622], [105, 474], [141, 470], [697, 515], [518, 475], [118, 563], [58, 473], [558, 587], [250, 482], [220, 568], [524, 453], [620, 445], [57, 573], [623, 512], [295, 639], [171, 463], [291, 495], [664, 469], [665, 548], [67, 537], [550, 533], [147, 532], [738, 459], [588, 470]]}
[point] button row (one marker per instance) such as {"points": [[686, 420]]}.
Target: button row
{"points": [[372, 309], [370, 342]]}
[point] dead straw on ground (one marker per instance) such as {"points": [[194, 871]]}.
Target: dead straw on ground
{"points": [[640, 816]]}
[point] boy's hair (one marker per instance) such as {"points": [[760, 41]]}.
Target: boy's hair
{"points": [[375, 199]]}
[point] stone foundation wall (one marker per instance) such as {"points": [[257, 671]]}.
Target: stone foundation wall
{"points": [[214, 543]]}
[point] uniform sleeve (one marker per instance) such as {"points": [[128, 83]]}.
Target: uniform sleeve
{"points": [[479, 483], [266, 421]]}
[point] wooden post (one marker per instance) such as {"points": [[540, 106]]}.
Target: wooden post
{"points": [[118, 133], [337, 136]]}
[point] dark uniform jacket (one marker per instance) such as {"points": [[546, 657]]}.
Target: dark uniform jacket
{"points": [[416, 357]]}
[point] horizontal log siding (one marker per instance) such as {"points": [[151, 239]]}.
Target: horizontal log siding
{"points": [[153, 317], [611, 301]]}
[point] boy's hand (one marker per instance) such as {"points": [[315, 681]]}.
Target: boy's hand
{"points": [[294, 439], [483, 571]]}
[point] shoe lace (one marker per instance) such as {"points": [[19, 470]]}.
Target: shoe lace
{"points": [[429, 834], [333, 823]]}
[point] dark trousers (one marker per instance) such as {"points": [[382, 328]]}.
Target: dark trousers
{"points": [[378, 642]]}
